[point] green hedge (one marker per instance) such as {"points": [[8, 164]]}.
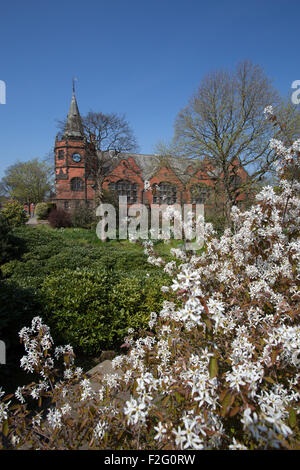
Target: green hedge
{"points": [[47, 252], [89, 295], [133, 299], [10, 246], [77, 308], [93, 310]]}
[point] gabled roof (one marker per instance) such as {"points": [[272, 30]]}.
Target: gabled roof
{"points": [[151, 164]]}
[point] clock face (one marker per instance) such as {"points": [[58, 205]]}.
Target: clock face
{"points": [[76, 157]]}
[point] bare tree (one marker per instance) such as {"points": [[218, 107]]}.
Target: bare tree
{"points": [[110, 132], [224, 125]]}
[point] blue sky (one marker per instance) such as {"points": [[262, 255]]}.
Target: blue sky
{"points": [[141, 58]]}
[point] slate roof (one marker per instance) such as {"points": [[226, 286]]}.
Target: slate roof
{"points": [[74, 128], [151, 164]]}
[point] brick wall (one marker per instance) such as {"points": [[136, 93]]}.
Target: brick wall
{"points": [[126, 170]]}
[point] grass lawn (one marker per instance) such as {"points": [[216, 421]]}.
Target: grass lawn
{"points": [[89, 237]]}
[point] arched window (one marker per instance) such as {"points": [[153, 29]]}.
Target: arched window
{"points": [[200, 193], [76, 184], [164, 193], [125, 188]]}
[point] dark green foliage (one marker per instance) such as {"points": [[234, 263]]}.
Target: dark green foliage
{"points": [[17, 307], [90, 295], [133, 299], [218, 221], [92, 310], [48, 251], [38, 247], [77, 308], [10, 246]]}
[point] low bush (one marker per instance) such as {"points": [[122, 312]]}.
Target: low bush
{"points": [[132, 300], [77, 308], [10, 246], [37, 247], [17, 308], [38, 238], [48, 251], [92, 310], [59, 218], [42, 210], [15, 214], [83, 217]]}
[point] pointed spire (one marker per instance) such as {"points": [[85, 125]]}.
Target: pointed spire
{"points": [[74, 128]]}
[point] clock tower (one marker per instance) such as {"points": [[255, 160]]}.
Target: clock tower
{"points": [[71, 185]]}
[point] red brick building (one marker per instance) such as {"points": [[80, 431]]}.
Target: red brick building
{"points": [[174, 180]]}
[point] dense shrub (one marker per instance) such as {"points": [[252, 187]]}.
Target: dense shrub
{"points": [[34, 265], [92, 310], [14, 212], [73, 257], [218, 222], [77, 308], [42, 210], [5, 228], [48, 251], [37, 246], [133, 298], [9, 245], [36, 239], [61, 269], [59, 218], [83, 217], [17, 307]]}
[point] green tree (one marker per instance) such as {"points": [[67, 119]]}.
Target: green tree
{"points": [[14, 214], [28, 182]]}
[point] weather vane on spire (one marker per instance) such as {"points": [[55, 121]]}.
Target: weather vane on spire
{"points": [[73, 80]]}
